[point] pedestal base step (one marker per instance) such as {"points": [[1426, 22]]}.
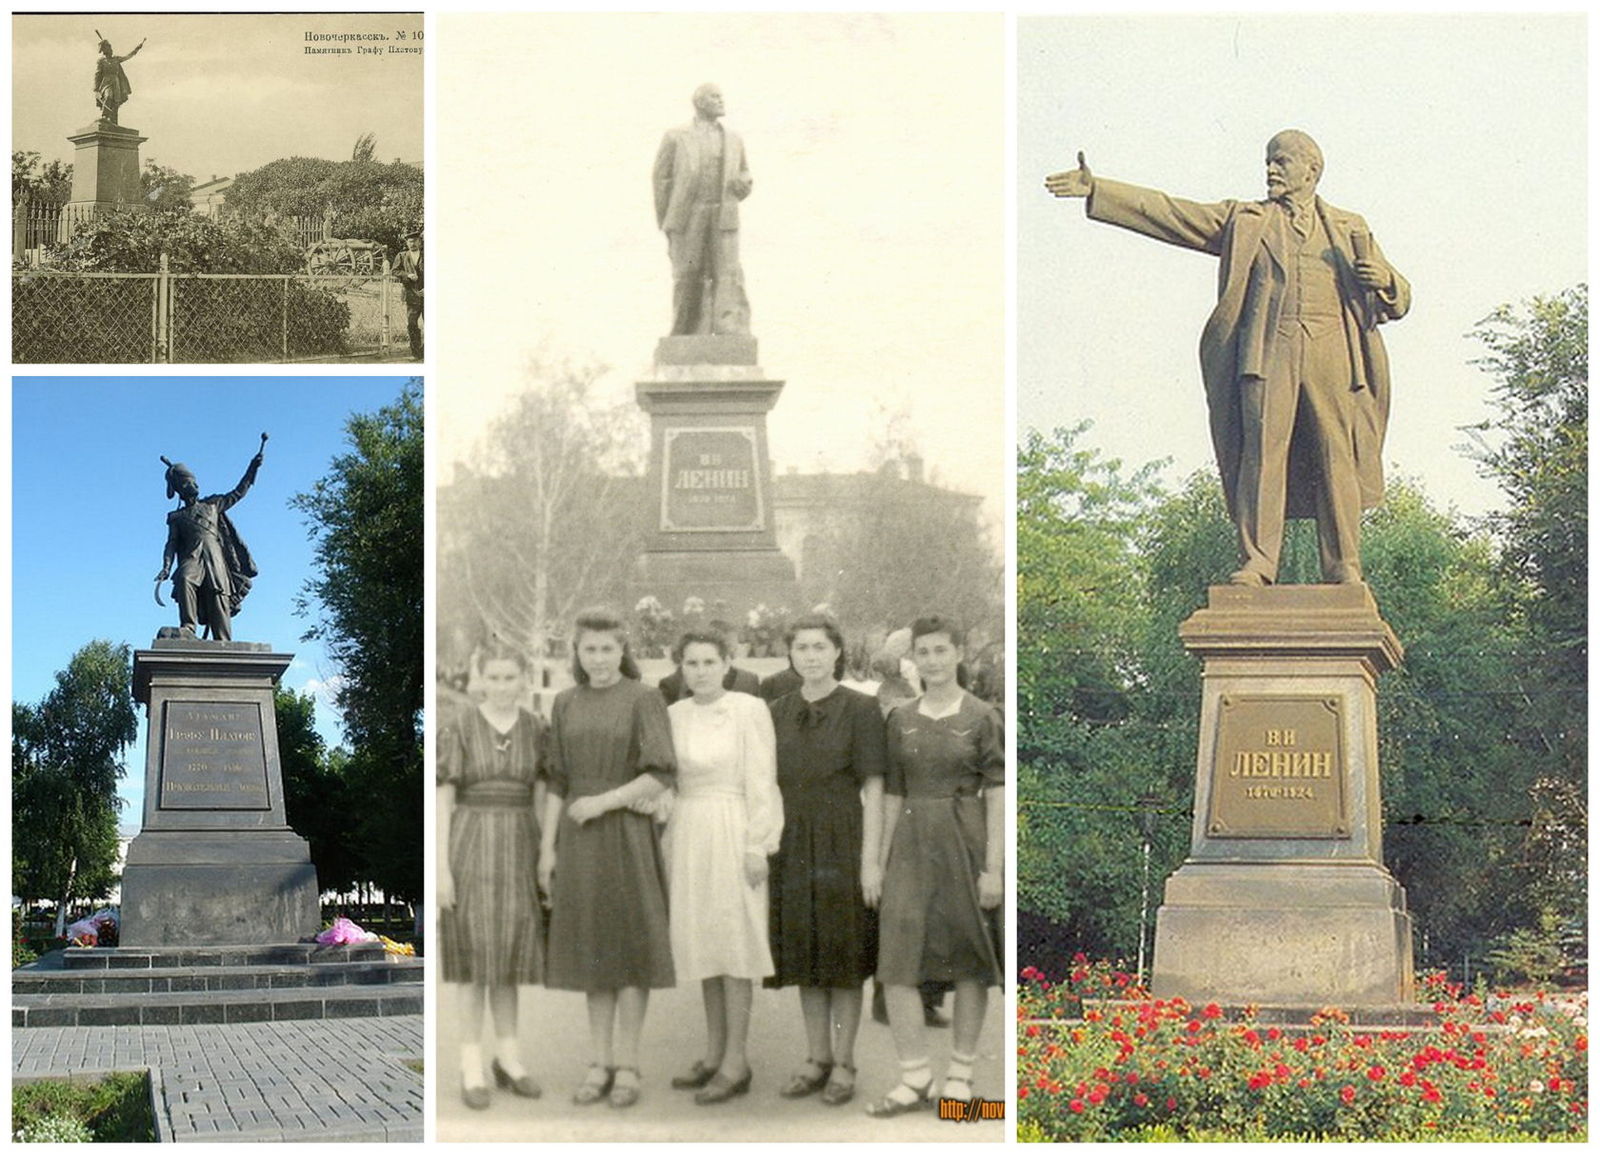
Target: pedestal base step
{"points": [[160, 980], [273, 954], [173, 1008]]}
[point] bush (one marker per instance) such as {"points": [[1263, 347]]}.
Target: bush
{"points": [[1143, 1068], [54, 1129], [115, 1109], [133, 243]]}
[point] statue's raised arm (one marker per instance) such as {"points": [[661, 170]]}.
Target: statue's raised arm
{"points": [[111, 87]]}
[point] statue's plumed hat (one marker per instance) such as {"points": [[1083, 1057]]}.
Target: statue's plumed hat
{"points": [[174, 470]]}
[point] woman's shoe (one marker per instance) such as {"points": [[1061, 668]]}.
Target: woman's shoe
{"points": [[840, 1091], [624, 1092], [891, 1105], [592, 1090], [720, 1089], [521, 1085], [475, 1097], [696, 1077], [802, 1083]]}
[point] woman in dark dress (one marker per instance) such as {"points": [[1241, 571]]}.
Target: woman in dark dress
{"points": [[826, 876], [490, 788], [944, 814], [610, 749]]}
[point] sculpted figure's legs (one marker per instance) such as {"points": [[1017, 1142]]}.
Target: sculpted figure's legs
{"points": [[199, 602], [730, 308], [1326, 418], [1267, 408], [689, 249]]}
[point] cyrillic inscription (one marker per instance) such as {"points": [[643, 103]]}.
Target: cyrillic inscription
{"points": [[213, 757], [1279, 770]]}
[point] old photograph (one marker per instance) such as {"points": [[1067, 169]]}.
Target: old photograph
{"points": [[1302, 565], [216, 187], [216, 759], [720, 747]]}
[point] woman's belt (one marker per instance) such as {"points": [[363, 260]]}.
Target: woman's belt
{"points": [[495, 792]]}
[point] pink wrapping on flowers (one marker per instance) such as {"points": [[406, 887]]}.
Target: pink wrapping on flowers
{"points": [[344, 931]]}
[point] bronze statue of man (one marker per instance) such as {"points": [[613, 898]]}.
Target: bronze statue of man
{"points": [[214, 567], [111, 87], [1296, 376], [700, 178]]}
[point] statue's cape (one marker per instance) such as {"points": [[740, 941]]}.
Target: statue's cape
{"points": [[236, 555], [109, 74]]}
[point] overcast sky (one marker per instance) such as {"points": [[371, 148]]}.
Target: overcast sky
{"points": [[220, 94], [873, 244], [1461, 138]]}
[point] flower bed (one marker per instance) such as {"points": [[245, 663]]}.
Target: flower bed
{"points": [[1489, 1065]]}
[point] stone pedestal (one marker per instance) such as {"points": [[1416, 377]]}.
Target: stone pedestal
{"points": [[1284, 897], [709, 531], [215, 863], [105, 173]]}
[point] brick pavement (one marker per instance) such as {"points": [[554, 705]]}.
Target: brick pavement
{"points": [[320, 1080]]}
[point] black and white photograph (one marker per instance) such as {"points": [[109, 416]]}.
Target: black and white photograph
{"points": [[216, 188], [721, 638]]}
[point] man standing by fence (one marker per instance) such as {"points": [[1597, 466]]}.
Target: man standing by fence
{"points": [[408, 268]]}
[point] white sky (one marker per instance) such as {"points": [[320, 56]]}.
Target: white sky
{"points": [[872, 244], [1462, 140], [219, 94]]}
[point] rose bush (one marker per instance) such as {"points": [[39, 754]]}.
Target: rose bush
{"points": [[1128, 1066]]}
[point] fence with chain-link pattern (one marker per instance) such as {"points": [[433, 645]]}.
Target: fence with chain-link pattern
{"points": [[205, 317]]}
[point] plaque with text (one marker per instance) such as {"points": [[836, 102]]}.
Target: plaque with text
{"points": [[711, 481], [213, 757], [1279, 770]]}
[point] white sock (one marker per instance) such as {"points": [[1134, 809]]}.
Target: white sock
{"points": [[472, 1065], [915, 1075], [959, 1071]]}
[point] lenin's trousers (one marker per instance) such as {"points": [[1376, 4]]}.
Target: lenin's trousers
{"points": [[703, 250]]}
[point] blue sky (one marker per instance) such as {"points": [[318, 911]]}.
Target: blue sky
{"points": [[89, 512]]}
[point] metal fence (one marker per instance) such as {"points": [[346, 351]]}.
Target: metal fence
{"points": [[88, 318]]}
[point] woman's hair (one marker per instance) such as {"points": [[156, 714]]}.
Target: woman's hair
{"points": [[601, 621], [950, 628], [709, 637], [827, 625], [938, 624], [496, 649]]}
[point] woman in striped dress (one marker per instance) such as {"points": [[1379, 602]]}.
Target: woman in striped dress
{"points": [[490, 789]]}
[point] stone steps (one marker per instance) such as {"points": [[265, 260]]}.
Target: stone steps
{"points": [[280, 954], [157, 980], [173, 1008]]}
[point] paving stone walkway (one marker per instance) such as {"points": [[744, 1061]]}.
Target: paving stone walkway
{"points": [[316, 1080]]}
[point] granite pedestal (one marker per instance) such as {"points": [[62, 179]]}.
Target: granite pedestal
{"points": [[105, 173], [1284, 897], [710, 530], [215, 862]]}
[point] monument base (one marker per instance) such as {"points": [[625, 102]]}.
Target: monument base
{"points": [[1335, 934], [739, 580], [105, 174], [238, 889]]}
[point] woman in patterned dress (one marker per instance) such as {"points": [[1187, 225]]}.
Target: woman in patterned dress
{"points": [[725, 824], [944, 815], [490, 788], [826, 877], [610, 749]]}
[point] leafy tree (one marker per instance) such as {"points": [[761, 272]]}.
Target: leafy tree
{"points": [[370, 201], [37, 180], [133, 243], [67, 757], [366, 147], [317, 793], [165, 189], [531, 529], [365, 517]]}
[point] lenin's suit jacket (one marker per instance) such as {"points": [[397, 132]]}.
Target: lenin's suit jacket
{"points": [[1249, 300], [678, 168]]}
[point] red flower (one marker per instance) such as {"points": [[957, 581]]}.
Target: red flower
{"points": [[1274, 1034], [1022, 1091], [1033, 1030], [1348, 1094], [1408, 1078], [1194, 1026], [1281, 1071], [1554, 1084], [1076, 1106], [1212, 1011], [1430, 1094], [1580, 1044], [1204, 1072], [1300, 1044], [1132, 1077], [1375, 1073], [1251, 1038], [1141, 1100], [1098, 1095], [1172, 1104]]}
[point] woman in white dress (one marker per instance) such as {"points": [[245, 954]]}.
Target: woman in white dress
{"points": [[726, 822]]}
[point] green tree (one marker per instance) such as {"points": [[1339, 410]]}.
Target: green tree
{"points": [[366, 147], [365, 517], [165, 189], [317, 793], [67, 758]]}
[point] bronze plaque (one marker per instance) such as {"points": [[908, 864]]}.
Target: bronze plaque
{"points": [[1279, 769], [213, 757], [711, 481]]}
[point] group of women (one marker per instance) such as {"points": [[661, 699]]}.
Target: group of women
{"points": [[809, 842]]}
